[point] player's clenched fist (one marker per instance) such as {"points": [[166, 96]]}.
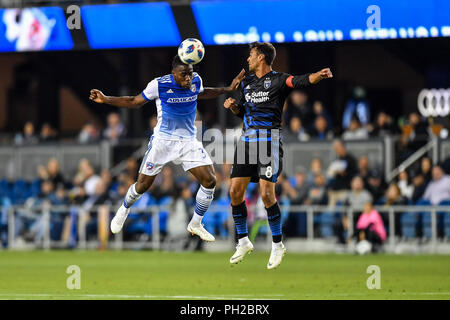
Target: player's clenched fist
{"points": [[97, 96], [320, 75], [325, 73], [230, 103]]}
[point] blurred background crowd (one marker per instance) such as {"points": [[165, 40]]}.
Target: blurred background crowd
{"points": [[347, 181]]}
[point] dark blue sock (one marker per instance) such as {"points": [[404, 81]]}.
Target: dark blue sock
{"points": [[274, 217], [240, 219]]}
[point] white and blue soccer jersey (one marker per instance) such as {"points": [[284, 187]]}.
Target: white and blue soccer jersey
{"points": [[176, 106]]}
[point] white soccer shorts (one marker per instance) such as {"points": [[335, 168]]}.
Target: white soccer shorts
{"points": [[190, 153]]}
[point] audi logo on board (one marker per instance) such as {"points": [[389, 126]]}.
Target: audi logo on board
{"points": [[434, 102]]}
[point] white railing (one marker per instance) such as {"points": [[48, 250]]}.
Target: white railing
{"points": [[105, 212]]}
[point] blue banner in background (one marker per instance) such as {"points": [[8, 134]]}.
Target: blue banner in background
{"points": [[130, 25], [233, 21], [33, 29]]}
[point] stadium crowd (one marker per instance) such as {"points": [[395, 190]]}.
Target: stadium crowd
{"points": [[346, 181]]}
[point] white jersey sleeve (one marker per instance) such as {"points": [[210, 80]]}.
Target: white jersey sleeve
{"points": [[201, 84], [151, 91]]}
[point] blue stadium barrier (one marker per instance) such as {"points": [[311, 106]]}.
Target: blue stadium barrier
{"points": [[424, 219], [5, 188], [326, 221], [20, 192], [446, 223], [35, 188], [215, 220], [443, 227], [408, 223]]}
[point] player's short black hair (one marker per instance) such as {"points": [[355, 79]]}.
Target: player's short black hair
{"points": [[267, 49], [177, 62]]}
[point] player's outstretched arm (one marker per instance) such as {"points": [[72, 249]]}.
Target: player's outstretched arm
{"points": [[211, 93], [124, 102], [308, 79]]}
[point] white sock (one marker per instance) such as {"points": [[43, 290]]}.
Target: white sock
{"points": [[244, 240], [277, 245], [196, 219], [202, 202], [131, 197]]}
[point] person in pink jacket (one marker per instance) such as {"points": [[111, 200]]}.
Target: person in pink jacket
{"points": [[370, 227]]}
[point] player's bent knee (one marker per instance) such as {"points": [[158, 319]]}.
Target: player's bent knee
{"points": [[268, 198]]}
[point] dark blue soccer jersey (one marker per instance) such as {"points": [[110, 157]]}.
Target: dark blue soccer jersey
{"points": [[262, 100]]}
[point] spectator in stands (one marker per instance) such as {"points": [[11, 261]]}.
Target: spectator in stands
{"points": [[364, 169], [28, 137], [370, 227], [317, 194], [132, 168], [89, 133], [406, 188], [425, 168], [296, 131], [439, 188], [42, 172], [115, 130], [90, 179], [357, 106], [414, 136], [393, 197], [296, 192], [355, 131], [341, 171], [106, 177], [85, 179], [376, 184], [320, 130], [99, 196], [358, 196], [315, 168], [48, 134], [297, 105], [384, 126], [319, 110], [30, 227], [419, 185], [54, 173]]}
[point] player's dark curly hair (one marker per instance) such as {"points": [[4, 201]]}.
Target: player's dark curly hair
{"points": [[177, 62], [267, 49]]}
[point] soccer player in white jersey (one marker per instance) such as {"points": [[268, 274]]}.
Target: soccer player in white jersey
{"points": [[174, 137]]}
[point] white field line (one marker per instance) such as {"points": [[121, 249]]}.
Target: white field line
{"points": [[4, 296], [127, 296]]}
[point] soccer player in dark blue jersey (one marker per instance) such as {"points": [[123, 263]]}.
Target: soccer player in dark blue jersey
{"points": [[258, 155]]}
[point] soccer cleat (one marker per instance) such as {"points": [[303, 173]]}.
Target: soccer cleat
{"points": [[241, 251], [119, 219], [276, 255], [200, 231]]}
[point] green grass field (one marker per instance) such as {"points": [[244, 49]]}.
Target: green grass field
{"points": [[169, 275]]}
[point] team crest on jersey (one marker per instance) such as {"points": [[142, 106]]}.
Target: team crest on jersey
{"points": [[149, 165], [267, 83], [193, 88]]}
